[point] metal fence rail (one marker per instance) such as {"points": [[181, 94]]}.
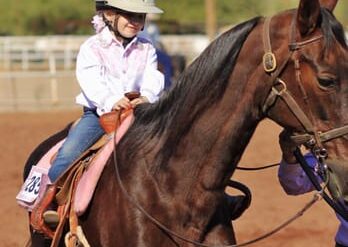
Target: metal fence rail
{"points": [[28, 52], [18, 52]]}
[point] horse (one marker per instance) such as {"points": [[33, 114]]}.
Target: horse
{"points": [[164, 185]]}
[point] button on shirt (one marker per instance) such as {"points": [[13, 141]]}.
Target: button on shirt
{"points": [[295, 182], [106, 70]]}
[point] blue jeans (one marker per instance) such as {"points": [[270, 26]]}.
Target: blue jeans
{"points": [[80, 138]]}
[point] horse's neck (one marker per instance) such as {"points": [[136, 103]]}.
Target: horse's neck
{"points": [[187, 190], [205, 156], [215, 143], [211, 150]]}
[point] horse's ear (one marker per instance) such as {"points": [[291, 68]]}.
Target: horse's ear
{"points": [[308, 14], [329, 4]]}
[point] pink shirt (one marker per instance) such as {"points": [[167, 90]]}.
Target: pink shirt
{"points": [[106, 70]]}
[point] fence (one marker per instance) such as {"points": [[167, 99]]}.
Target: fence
{"points": [[30, 51], [37, 73]]}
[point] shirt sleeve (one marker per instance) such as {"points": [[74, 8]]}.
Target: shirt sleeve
{"points": [[94, 81], [152, 79], [293, 179], [342, 233]]}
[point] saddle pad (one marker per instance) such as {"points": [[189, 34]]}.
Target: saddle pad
{"points": [[89, 179]]}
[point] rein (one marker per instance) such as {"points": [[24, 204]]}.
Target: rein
{"points": [[256, 168], [309, 172]]}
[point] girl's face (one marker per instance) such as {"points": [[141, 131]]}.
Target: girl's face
{"points": [[128, 24]]}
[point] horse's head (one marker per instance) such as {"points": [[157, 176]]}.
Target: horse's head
{"points": [[312, 85]]}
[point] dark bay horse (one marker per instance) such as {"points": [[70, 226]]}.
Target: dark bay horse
{"points": [[166, 186]]}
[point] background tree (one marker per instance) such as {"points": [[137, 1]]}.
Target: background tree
{"points": [[40, 17]]}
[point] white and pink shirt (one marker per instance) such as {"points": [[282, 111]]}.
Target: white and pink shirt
{"points": [[106, 70]]}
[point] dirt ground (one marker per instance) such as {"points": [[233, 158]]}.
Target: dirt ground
{"points": [[21, 132]]}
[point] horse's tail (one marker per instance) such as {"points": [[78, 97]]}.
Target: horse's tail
{"points": [[43, 148]]}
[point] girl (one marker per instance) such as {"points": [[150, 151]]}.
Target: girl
{"points": [[109, 64]]}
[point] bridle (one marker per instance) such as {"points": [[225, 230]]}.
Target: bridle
{"points": [[312, 138], [271, 68]]}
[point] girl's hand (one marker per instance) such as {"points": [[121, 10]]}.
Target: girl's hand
{"points": [[140, 100], [123, 103]]}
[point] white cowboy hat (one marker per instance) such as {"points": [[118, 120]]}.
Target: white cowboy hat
{"points": [[135, 6]]}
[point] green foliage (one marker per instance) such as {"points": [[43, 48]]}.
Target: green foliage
{"points": [[34, 17], [187, 13], [45, 17]]}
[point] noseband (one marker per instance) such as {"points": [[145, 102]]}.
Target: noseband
{"points": [[312, 138]]}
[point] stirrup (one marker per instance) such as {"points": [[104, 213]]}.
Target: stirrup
{"points": [[51, 218]]}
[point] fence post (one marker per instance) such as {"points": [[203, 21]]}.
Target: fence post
{"points": [[7, 53], [210, 12], [14, 93], [25, 58], [53, 80], [68, 53]]}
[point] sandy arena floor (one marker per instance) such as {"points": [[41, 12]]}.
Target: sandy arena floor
{"points": [[21, 132]]}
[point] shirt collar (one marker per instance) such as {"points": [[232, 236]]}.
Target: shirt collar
{"points": [[108, 38]]}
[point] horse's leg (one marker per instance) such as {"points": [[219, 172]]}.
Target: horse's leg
{"points": [[221, 234], [38, 239], [220, 230]]}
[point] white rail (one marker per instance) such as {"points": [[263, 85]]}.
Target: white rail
{"points": [[37, 72], [34, 50]]}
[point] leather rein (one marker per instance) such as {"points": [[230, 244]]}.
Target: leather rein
{"points": [[174, 234]]}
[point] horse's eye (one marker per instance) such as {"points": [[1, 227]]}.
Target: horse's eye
{"points": [[327, 82]]}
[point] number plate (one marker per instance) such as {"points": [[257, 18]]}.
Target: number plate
{"points": [[30, 189]]}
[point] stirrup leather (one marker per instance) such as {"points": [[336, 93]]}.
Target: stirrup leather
{"points": [[36, 216]]}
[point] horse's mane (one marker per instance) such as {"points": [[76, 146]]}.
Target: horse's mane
{"points": [[332, 29], [201, 85]]}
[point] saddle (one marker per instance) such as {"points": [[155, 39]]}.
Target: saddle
{"points": [[111, 121], [62, 193]]}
